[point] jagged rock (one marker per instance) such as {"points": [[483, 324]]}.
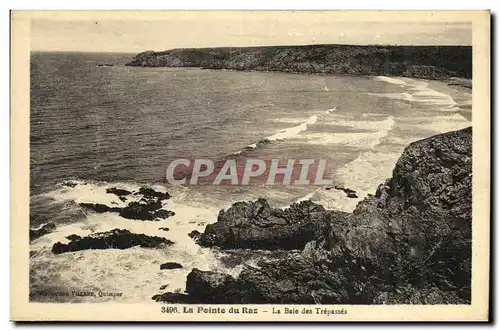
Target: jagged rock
{"points": [[407, 295], [257, 225], [148, 192], [352, 195], [122, 198], [205, 286], [195, 234], [117, 191], [97, 207], [163, 213], [73, 237], [41, 231], [170, 265], [346, 190], [117, 238], [140, 211], [146, 210], [69, 184]]}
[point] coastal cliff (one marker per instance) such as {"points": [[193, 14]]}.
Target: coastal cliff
{"points": [[429, 62], [410, 243]]}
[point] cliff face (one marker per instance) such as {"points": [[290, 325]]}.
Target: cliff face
{"points": [[433, 62], [410, 243]]}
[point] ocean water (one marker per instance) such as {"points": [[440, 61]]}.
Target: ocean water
{"points": [[120, 126]]}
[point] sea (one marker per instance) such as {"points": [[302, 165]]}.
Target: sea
{"points": [[116, 126]]}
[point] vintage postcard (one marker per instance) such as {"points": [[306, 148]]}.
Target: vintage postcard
{"points": [[250, 165]]}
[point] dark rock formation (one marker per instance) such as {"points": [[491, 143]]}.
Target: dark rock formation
{"points": [[140, 210], [69, 184], [195, 235], [163, 213], [349, 193], [170, 265], [98, 207], [346, 190], [117, 238], [257, 225], [41, 231], [145, 209], [148, 192], [164, 229], [432, 62], [73, 237], [207, 286], [118, 191], [410, 243], [408, 295]]}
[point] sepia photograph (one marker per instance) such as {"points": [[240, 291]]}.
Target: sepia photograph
{"points": [[231, 165]]}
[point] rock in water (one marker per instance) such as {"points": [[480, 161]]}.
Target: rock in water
{"points": [[163, 213], [257, 225], [117, 238], [195, 235], [97, 207], [73, 237], [170, 265], [145, 210], [148, 192], [118, 191], [140, 211]]}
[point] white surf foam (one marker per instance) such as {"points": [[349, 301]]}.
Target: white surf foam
{"points": [[293, 131], [390, 80], [286, 133], [377, 130], [419, 92], [395, 96], [362, 175], [438, 124], [134, 271]]}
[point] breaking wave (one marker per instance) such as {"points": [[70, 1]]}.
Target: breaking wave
{"points": [[375, 131], [281, 135], [418, 92]]}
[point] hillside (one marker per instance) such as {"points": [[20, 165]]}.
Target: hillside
{"points": [[431, 62]]}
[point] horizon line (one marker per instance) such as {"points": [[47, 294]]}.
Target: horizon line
{"points": [[257, 46]]}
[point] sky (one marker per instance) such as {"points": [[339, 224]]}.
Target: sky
{"points": [[101, 34]]}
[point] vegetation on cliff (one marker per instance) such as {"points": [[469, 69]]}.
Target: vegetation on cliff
{"points": [[431, 62]]}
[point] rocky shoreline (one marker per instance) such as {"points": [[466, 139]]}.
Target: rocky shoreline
{"points": [[426, 62], [410, 243]]}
